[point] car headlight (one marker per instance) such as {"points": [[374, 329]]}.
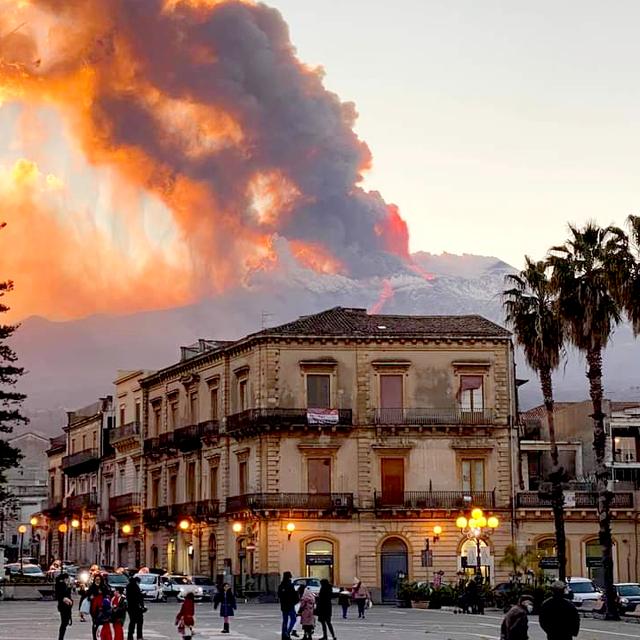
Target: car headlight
{"points": [[624, 600], [83, 577], [199, 591]]}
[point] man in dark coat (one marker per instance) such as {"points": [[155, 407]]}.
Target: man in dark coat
{"points": [[65, 603], [559, 619], [515, 625], [288, 601], [324, 607], [135, 607]]}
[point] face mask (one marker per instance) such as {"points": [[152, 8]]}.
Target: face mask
{"points": [[529, 607]]}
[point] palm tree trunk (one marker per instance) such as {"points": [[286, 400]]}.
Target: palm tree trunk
{"points": [[556, 476], [594, 361]]}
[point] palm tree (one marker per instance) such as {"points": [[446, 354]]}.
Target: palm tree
{"points": [[632, 294], [532, 311], [590, 274]]}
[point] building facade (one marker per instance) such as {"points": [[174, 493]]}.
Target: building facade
{"points": [[332, 446]]}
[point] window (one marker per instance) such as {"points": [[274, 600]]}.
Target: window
{"points": [[318, 391], [242, 394], [625, 449], [391, 398], [319, 475], [392, 472], [472, 475], [172, 488], [73, 445], [191, 482], [193, 408], [155, 491], [471, 393], [122, 414], [94, 439], [173, 413], [242, 477], [138, 411], [213, 481], [84, 442], [157, 417], [213, 398], [319, 559], [122, 479]]}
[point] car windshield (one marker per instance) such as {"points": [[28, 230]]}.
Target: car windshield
{"points": [[117, 578], [181, 580], [148, 579], [629, 590], [31, 569], [582, 587], [205, 582]]}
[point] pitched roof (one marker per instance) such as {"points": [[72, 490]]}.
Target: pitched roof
{"points": [[341, 321]]}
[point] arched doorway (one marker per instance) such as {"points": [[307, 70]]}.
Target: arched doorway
{"points": [[394, 559], [154, 556], [547, 554], [213, 553], [469, 559], [319, 559], [593, 560]]}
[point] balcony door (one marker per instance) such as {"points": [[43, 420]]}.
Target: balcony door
{"points": [[319, 475], [392, 471], [391, 398]]}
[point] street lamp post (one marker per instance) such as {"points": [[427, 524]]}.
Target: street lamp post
{"points": [[34, 523], [62, 529], [75, 524], [22, 529], [476, 528]]}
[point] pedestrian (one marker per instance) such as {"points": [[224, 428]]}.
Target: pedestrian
{"points": [[344, 600], [65, 603], [559, 619], [359, 595], [324, 608], [103, 619], [186, 618], [97, 592], [288, 600], [136, 608], [515, 624], [119, 615], [82, 593], [227, 602], [307, 615]]}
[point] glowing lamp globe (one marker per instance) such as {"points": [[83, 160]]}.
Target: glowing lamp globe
{"points": [[75, 523], [33, 522], [493, 522], [126, 529], [237, 527], [476, 514], [291, 527], [481, 522], [62, 528], [184, 525], [461, 522], [437, 530], [472, 523], [22, 529]]}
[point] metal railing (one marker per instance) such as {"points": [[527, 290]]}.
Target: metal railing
{"points": [[191, 437], [432, 416], [198, 510], [435, 500], [303, 501], [128, 430], [277, 417], [584, 500], [151, 445], [82, 501], [124, 502], [82, 457]]}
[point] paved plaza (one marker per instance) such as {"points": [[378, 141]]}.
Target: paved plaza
{"points": [[39, 621]]}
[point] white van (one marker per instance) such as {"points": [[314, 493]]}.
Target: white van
{"points": [[151, 587], [583, 589]]}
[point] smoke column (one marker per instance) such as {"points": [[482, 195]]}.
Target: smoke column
{"points": [[205, 106]]}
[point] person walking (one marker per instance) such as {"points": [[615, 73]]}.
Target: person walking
{"points": [[97, 592], [359, 595], [559, 619], [307, 613], [186, 618], [136, 608], [119, 615], [227, 602], [288, 601], [515, 624], [65, 603], [344, 600], [324, 608]]}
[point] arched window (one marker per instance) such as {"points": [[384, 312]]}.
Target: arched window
{"points": [[469, 558], [319, 559], [547, 554]]}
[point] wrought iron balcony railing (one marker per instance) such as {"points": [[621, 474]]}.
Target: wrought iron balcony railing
{"points": [[126, 431], [431, 416], [277, 418], [200, 511], [449, 500], [86, 457], [584, 500], [124, 503], [284, 501], [191, 437], [84, 501]]}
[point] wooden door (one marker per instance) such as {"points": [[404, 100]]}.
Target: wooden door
{"points": [[391, 399], [392, 481]]}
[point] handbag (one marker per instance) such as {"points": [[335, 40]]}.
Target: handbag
{"points": [[85, 607]]}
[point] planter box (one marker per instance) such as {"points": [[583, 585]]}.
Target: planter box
{"points": [[420, 605]]}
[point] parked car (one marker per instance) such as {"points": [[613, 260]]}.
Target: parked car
{"points": [[171, 584], [207, 585], [151, 587], [117, 580], [583, 589], [26, 569], [629, 595], [314, 585]]}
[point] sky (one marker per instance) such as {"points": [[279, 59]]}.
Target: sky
{"points": [[492, 124]]}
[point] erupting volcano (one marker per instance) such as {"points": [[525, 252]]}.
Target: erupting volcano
{"points": [[212, 138]]}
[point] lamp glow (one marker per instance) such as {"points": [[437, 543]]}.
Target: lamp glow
{"points": [[62, 528], [33, 522], [75, 523], [22, 529], [184, 525], [472, 523], [481, 522], [237, 527], [437, 530], [461, 522], [493, 522], [476, 514], [291, 527], [126, 529]]}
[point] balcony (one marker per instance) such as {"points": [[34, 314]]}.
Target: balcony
{"points": [[53, 506], [328, 503], [584, 500], [200, 511], [126, 503], [129, 431], [191, 438], [433, 417], [253, 421], [160, 444], [82, 502], [427, 500], [81, 462]]}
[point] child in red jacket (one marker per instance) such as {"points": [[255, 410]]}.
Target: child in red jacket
{"points": [[186, 617]]}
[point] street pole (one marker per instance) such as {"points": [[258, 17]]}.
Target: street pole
{"points": [[478, 557], [21, 547]]}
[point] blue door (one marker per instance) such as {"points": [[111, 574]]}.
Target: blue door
{"points": [[395, 562]]}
